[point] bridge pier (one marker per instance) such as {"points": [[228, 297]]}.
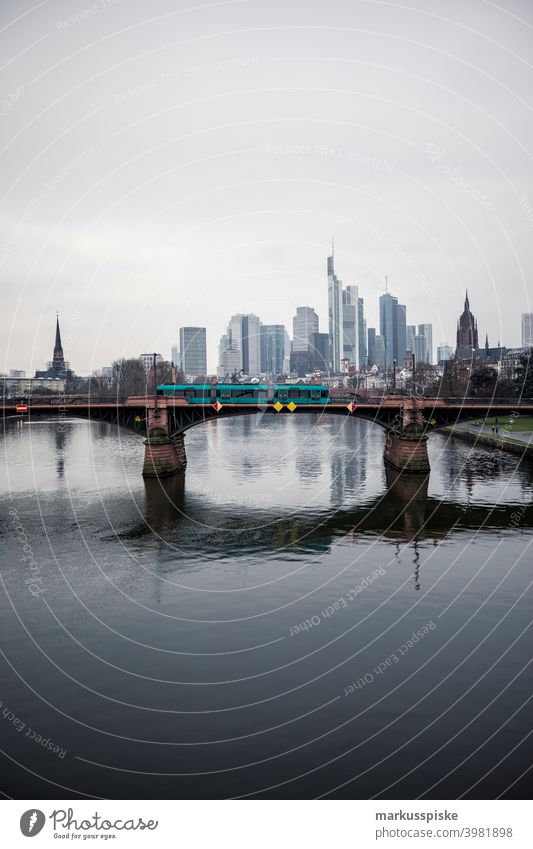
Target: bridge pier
{"points": [[406, 446], [407, 452], [163, 455]]}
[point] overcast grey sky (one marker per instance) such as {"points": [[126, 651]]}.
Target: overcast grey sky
{"points": [[171, 163]]}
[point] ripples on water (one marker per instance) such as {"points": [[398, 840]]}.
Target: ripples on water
{"points": [[166, 655]]}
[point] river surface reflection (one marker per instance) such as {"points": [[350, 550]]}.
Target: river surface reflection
{"points": [[246, 629]]}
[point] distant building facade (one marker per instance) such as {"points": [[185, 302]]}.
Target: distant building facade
{"points": [[527, 330], [193, 351], [148, 360], [444, 353]]}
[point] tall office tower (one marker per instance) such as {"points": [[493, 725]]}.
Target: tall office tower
{"points": [[193, 351], [527, 330], [319, 350], [371, 345], [410, 333], [420, 348], [336, 351], [393, 327], [240, 347], [272, 345], [363, 351], [174, 355], [402, 333], [426, 330], [376, 349], [467, 338], [304, 323], [388, 325], [350, 325], [444, 352]]}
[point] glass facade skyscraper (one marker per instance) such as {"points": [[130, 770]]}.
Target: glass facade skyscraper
{"points": [[193, 351], [272, 345]]}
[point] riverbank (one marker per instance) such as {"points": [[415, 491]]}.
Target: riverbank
{"points": [[520, 442]]}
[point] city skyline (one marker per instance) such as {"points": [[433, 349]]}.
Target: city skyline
{"points": [[349, 295]]}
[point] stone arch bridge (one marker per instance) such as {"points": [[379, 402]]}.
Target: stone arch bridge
{"points": [[163, 421]]}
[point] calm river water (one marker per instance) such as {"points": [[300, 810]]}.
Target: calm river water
{"points": [[284, 620]]}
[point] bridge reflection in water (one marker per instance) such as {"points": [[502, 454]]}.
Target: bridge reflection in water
{"points": [[404, 512]]}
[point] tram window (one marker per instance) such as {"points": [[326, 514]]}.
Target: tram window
{"points": [[315, 396], [325, 393]]}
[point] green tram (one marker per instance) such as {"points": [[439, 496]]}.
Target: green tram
{"points": [[247, 393]]}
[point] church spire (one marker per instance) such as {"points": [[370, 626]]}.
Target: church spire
{"points": [[58, 348]]}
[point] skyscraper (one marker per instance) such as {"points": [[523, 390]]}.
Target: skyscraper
{"points": [[363, 352], [193, 351], [304, 323], [336, 351], [240, 346], [410, 337], [350, 325], [527, 329], [467, 337], [420, 351], [272, 345], [319, 351], [376, 349], [426, 330], [401, 344], [393, 327]]}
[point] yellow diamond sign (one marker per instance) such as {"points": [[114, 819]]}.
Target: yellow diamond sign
{"points": [[291, 406], [278, 406]]}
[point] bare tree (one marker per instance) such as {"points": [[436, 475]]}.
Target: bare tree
{"points": [[129, 378]]}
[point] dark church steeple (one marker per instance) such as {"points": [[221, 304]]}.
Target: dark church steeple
{"points": [[467, 336], [58, 368], [58, 358]]}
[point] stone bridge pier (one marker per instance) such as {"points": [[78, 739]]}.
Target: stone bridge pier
{"points": [[406, 442], [164, 455]]}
